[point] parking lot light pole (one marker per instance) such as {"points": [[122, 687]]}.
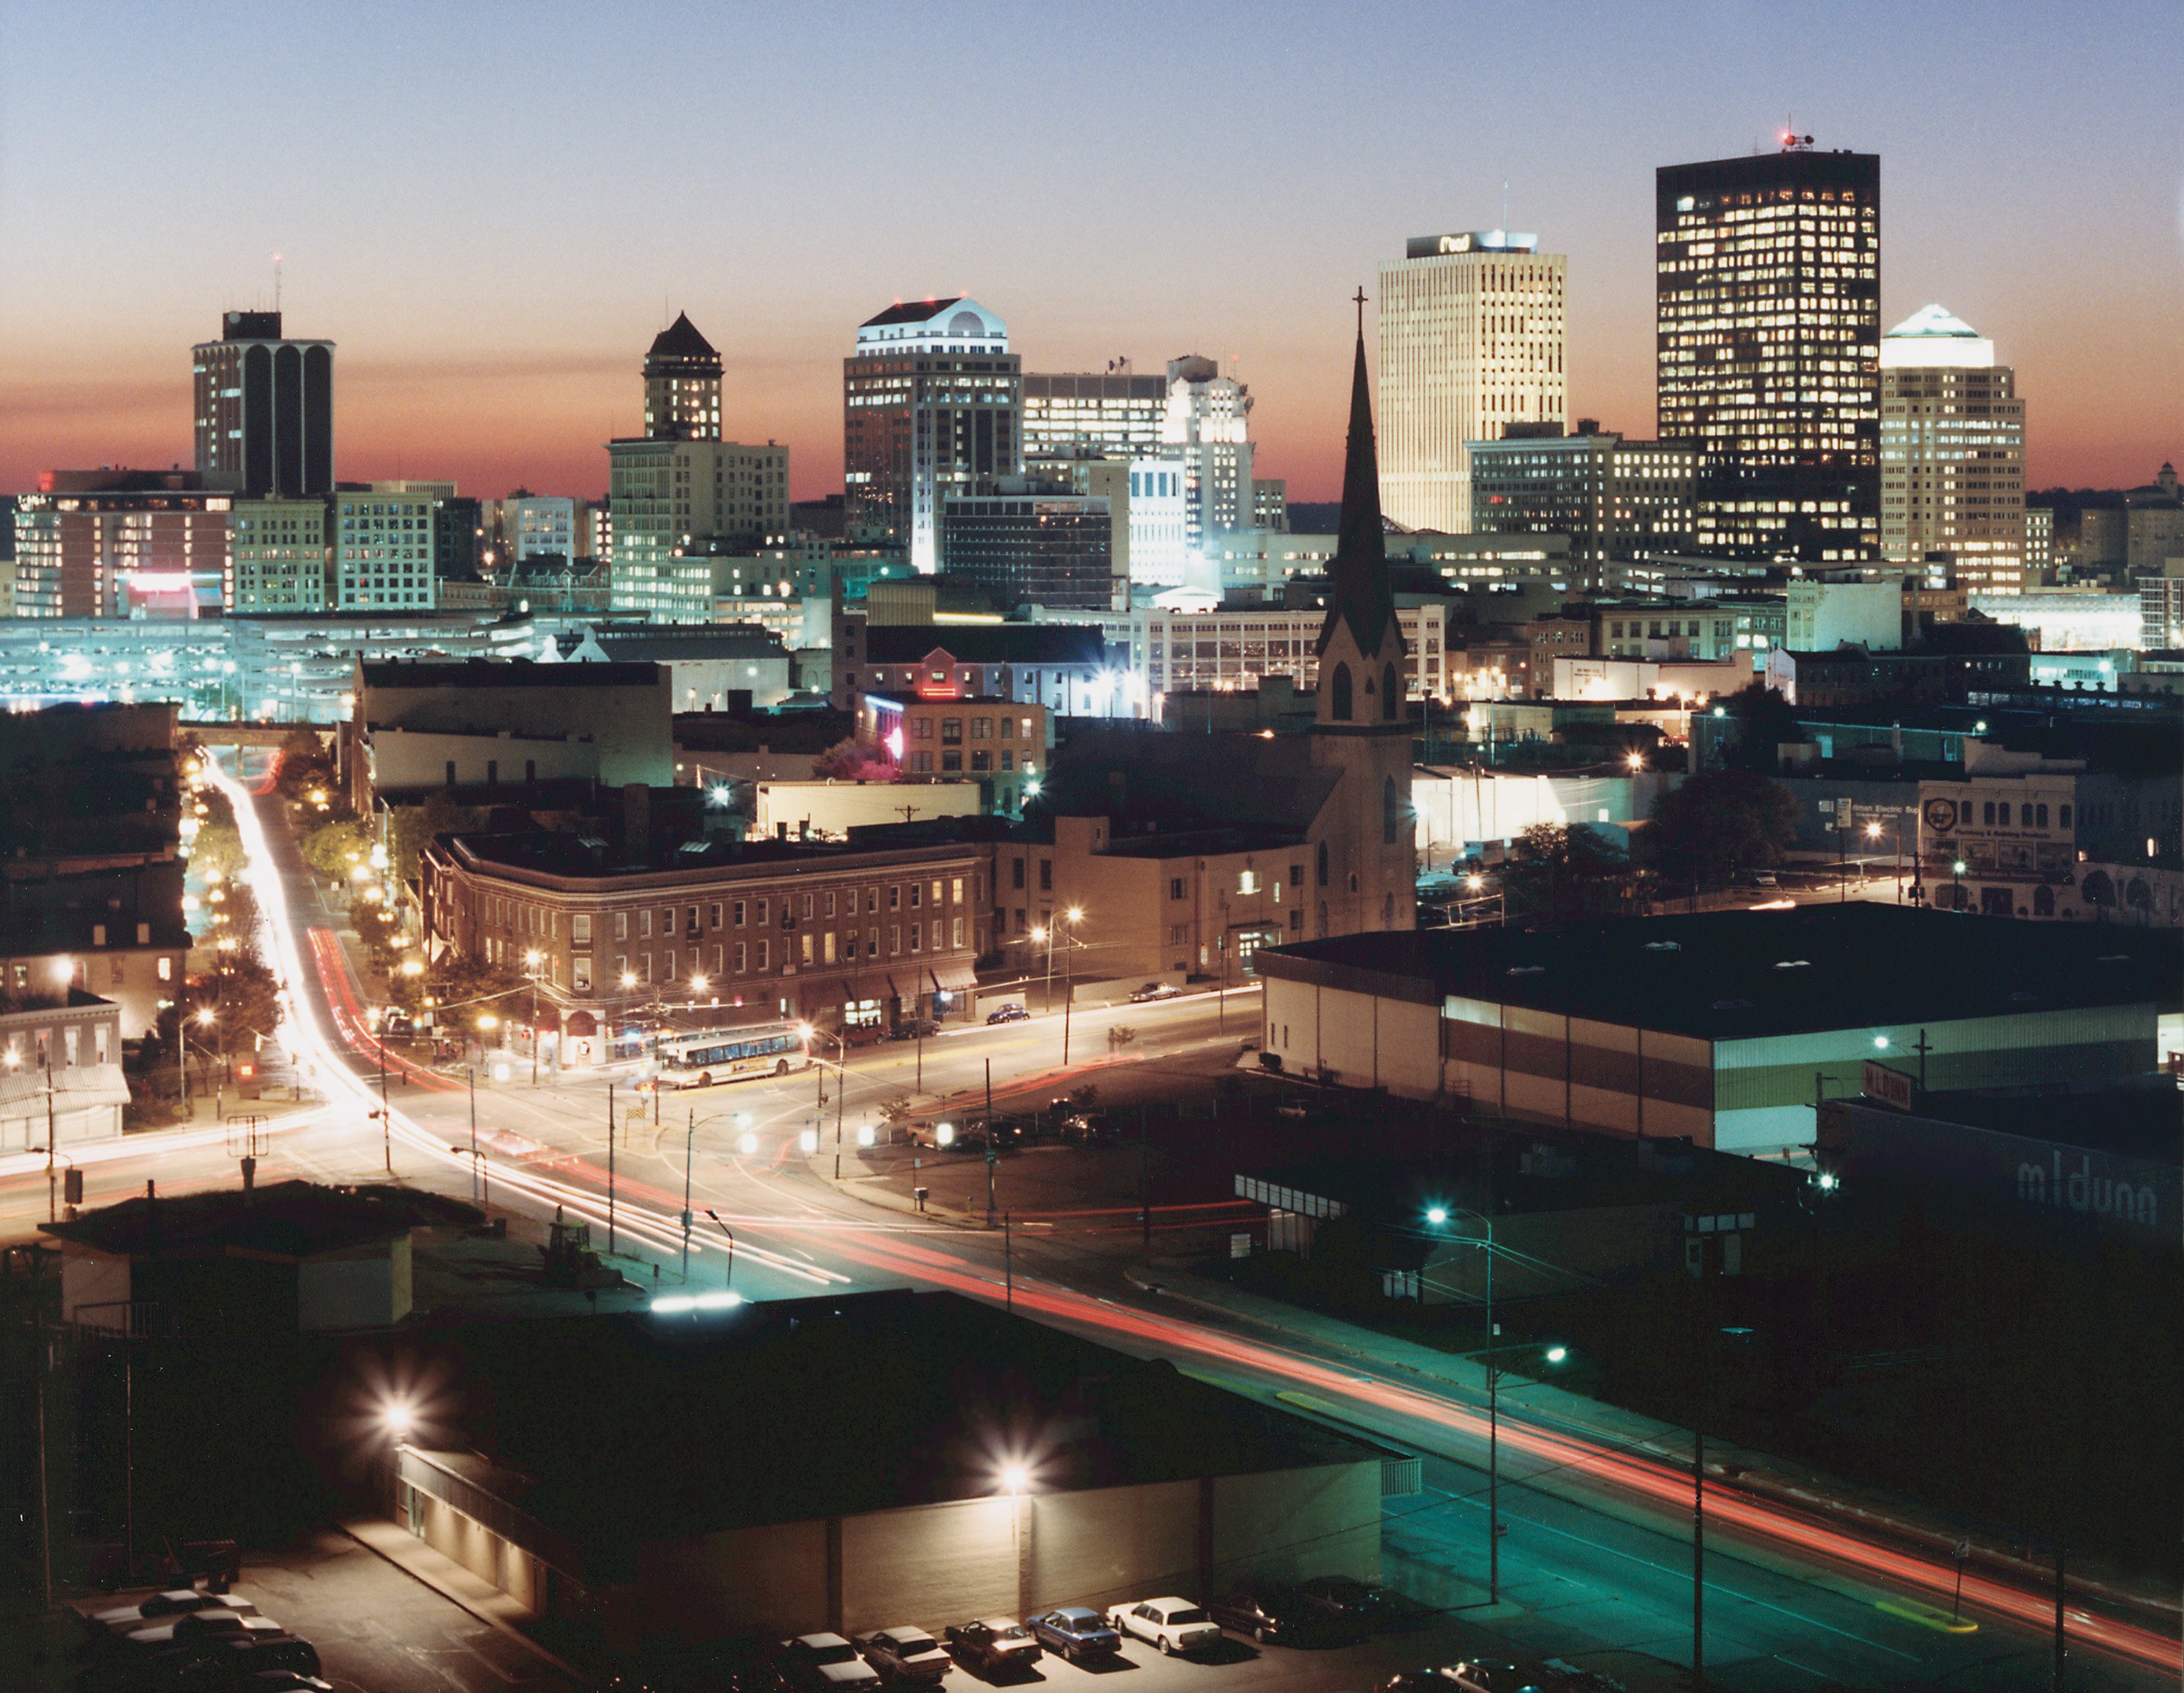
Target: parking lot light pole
{"points": [[1435, 1217]]}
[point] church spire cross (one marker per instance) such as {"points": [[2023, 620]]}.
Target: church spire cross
{"points": [[1360, 298]]}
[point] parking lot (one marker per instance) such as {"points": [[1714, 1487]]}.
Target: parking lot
{"points": [[380, 1630]]}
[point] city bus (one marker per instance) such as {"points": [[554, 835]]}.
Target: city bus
{"points": [[732, 1055]]}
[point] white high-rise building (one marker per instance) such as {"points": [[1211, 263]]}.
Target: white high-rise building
{"points": [[1952, 455], [1208, 425], [1471, 341]]}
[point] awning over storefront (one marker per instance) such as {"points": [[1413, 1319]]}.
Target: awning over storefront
{"points": [[952, 978]]}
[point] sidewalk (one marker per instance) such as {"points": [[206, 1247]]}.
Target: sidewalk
{"points": [[451, 1581]]}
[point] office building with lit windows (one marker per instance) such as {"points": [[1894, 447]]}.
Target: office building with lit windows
{"points": [[932, 402], [682, 385], [1767, 273], [1031, 541], [1114, 415], [120, 542], [1614, 498], [1208, 426], [1951, 456], [277, 556], [680, 491], [1470, 341], [383, 551], [265, 409]]}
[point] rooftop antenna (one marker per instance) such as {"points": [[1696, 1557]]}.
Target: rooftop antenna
{"points": [[276, 281]]}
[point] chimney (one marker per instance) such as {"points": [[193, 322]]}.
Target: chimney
{"points": [[636, 822]]}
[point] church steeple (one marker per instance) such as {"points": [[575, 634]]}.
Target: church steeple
{"points": [[1358, 577]]}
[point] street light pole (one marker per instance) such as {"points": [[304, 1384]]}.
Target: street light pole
{"points": [[729, 1275], [478, 1171], [386, 1122]]}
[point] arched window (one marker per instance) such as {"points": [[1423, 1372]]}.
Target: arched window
{"points": [[1323, 865], [1340, 710], [1389, 697], [1391, 811], [2098, 890], [2043, 902]]}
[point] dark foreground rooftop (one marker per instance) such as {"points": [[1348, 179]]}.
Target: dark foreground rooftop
{"points": [[626, 1429]]}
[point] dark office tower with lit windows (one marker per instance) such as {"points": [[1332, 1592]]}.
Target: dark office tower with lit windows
{"points": [[265, 409], [1769, 273]]}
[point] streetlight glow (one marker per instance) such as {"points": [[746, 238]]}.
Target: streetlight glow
{"points": [[397, 1417], [1555, 1355], [205, 1018], [1014, 1477], [1436, 1215]]}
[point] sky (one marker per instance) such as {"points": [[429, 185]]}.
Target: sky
{"points": [[493, 208]]}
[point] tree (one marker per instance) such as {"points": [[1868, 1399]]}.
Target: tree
{"points": [[1765, 720], [855, 760], [304, 766], [1560, 871], [332, 848], [1721, 823], [410, 828]]}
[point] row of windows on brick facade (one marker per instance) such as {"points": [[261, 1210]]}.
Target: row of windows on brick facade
{"points": [[808, 950], [497, 912]]}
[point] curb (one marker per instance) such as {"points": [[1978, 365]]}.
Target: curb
{"points": [[457, 1600]]}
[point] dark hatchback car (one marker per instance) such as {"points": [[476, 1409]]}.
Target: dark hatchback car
{"points": [[1274, 1610], [1008, 1014], [1076, 1633]]}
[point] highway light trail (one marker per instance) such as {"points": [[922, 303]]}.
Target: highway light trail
{"points": [[888, 1250]]}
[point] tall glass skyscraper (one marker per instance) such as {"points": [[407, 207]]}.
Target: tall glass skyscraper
{"points": [[1769, 290]]}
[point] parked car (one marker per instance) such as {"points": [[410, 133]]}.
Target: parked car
{"points": [[1287, 1616], [196, 1630], [993, 1645], [826, 1663], [238, 1663], [1374, 1607], [864, 1034], [905, 1654], [914, 1028], [1007, 1014], [1154, 990], [1173, 1625], [159, 1607], [1076, 1633]]}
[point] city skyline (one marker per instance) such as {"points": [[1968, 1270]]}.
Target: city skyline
{"points": [[493, 270]]}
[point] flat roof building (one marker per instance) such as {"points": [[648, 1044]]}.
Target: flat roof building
{"points": [[1723, 1026], [861, 1461]]}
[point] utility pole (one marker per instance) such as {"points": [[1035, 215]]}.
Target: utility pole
{"points": [[689, 1144], [990, 1147], [386, 1122], [1493, 1433], [1009, 1303], [477, 1172], [611, 1168], [1698, 1556], [2060, 1588], [52, 1136]]}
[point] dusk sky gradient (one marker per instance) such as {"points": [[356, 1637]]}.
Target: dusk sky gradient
{"points": [[489, 208]]}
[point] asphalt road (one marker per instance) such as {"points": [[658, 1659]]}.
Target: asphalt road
{"points": [[1597, 1552]]}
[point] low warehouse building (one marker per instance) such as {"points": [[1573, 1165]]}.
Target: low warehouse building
{"points": [[856, 1462], [1724, 1026]]}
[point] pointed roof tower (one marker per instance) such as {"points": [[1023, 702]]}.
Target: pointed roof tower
{"points": [[681, 340], [1358, 577]]}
